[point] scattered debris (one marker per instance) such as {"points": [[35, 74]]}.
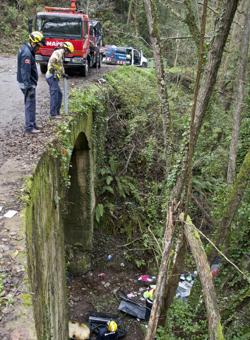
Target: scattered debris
{"points": [[132, 308], [185, 285], [147, 279], [149, 304], [10, 213], [78, 331], [101, 275], [215, 267], [106, 326], [101, 81], [131, 295], [108, 331], [109, 258], [149, 294]]}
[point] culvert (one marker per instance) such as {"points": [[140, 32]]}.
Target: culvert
{"points": [[59, 222]]}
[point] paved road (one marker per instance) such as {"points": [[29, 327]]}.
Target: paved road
{"points": [[11, 98]]}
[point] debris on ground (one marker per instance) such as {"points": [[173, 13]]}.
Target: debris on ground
{"points": [[146, 279], [149, 293], [106, 326], [78, 331], [132, 308], [215, 267], [10, 213], [185, 285], [109, 258]]}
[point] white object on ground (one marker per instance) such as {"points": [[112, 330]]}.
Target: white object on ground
{"points": [[78, 330], [10, 213]]}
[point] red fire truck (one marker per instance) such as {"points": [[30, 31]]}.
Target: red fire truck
{"points": [[69, 24]]}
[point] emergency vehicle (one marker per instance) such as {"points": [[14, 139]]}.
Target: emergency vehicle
{"points": [[116, 55], [69, 24]]}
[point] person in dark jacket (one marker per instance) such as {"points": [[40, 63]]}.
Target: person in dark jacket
{"points": [[27, 77]]}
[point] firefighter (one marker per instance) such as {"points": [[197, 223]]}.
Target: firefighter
{"points": [[53, 75], [27, 77]]}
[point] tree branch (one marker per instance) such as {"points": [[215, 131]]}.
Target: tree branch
{"points": [[199, 254]]}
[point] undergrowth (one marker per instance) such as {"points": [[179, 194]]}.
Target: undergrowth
{"points": [[132, 191]]}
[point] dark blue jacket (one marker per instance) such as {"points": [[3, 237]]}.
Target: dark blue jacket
{"points": [[27, 75]]}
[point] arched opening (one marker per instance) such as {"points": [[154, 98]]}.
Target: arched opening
{"points": [[78, 221]]}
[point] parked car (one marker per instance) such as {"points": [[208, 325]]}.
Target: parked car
{"points": [[116, 55]]}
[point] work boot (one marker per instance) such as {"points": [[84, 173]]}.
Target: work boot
{"points": [[33, 131]]}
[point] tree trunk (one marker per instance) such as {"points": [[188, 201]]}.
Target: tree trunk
{"points": [[180, 255], [239, 96], [233, 45], [199, 254], [177, 43], [191, 145], [154, 32], [206, 88], [208, 80], [213, 63], [161, 280], [192, 21], [129, 11], [234, 199], [172, 281]]}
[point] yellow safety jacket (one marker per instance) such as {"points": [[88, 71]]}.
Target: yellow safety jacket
{"points": [[55, 64]]}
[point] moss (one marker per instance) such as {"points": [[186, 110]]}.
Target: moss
{"points": [[219, 335], [44, 221], [26, 299]]}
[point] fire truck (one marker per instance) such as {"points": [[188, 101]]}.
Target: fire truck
{"points": [[69, 24]]}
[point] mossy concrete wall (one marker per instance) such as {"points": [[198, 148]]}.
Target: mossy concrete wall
{"points": [[59, 212]]}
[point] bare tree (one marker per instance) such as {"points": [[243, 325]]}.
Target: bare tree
{"points": [[154, 32], [233, 202], [204, 95], [181, 243], [239, 95], [199, 254], [192, 21], [161, 280], [208, 80]]}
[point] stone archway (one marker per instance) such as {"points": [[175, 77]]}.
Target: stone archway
{"points": [[56, 216], [78, 220]]}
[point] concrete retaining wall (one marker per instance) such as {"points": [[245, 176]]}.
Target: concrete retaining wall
{"points": [[59, 213]]}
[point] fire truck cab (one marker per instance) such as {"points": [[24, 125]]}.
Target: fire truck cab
{"points": [[69, 24]]}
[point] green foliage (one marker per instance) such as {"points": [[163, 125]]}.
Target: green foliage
{"points": [[134, 144], [13, 28], [182, 323], [99, 210], [84, 101]]}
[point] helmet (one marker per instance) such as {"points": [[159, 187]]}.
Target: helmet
{"points": [[69, 46], [36, 37], [112, 326]]}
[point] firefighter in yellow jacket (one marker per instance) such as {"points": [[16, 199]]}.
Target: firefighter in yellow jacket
{"points": [[54, 74]]}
